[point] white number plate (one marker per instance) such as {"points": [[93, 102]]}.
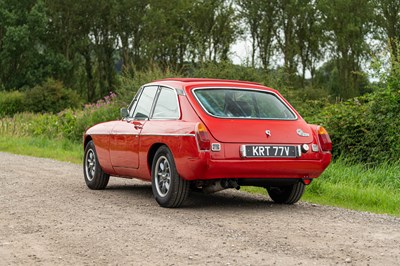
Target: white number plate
{"points": [[267, 151]]}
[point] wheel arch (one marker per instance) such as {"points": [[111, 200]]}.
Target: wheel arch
{"points": [[152, 151], [86, 140]]}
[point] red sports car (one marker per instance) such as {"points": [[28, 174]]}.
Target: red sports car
{"points": [[209, 135]]}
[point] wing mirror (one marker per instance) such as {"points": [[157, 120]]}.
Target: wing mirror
{"points": [[124, 113]]}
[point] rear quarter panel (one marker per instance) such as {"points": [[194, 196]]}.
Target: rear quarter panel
{"points": [[178, 135]]}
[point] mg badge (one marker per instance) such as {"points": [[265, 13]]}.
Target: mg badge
{"points": [[268, 133], [302, 133]]}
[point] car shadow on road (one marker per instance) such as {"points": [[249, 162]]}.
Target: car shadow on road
{"points": [[142, 189], [229, 199]]}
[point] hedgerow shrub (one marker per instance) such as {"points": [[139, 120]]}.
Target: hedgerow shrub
{"points": [[365, 129], [69, 124], [308, 101], [51, 97], [30, 124], [73, 123], [11, 103]]}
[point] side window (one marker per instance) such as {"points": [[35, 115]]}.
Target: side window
{"points": [[145, 102], [167, 105]]}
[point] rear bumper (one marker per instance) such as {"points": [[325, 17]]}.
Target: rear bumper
{"points": [[206, 168]]}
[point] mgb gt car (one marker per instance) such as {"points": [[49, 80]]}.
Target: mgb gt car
{"points": [[208, 134]]}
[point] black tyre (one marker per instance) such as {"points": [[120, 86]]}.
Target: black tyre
{"points": [[95, 178], [169, 189], [286, 194]]}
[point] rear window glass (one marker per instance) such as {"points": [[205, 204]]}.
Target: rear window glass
{"points": [[235, 103]]}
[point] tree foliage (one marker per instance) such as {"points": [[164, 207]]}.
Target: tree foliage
{"points": [[347, 24], [388, 20], [25, 58], [87, 44]]}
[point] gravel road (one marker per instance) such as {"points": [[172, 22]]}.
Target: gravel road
{"points": [[49, 217]]}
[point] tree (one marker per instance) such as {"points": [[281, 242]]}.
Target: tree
{"points": [[285, 35], [25, 58], [225, 31], [85, 33], [388, 19], [214, 29], [166, 32], [310, 38], [347, 24], [259, 17], [130, 29]]}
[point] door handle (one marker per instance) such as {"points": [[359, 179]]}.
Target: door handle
{"points": [[138, 126]]}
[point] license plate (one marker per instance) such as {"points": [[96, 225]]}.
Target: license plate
{"points": [[267, 151]]}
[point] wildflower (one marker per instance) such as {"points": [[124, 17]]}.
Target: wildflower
{"points": [[113, 95]]}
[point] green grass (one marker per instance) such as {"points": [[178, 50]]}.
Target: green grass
{"points": [[349, 186], [355, 187], [61, 150]]}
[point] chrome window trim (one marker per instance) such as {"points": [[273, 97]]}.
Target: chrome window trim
{"points": [[180, 92], [244, 118]]}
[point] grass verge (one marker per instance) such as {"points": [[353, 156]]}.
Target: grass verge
{"points": [[355, 187], [61, 150], [349, 186]]}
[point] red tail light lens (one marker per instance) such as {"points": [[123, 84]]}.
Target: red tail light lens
{"points": [[203, 139], [324, 139]]}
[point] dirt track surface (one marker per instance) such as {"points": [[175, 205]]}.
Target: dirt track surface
{"points": [[49, 217]]}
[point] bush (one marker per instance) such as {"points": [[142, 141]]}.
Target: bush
{"points": [[29, 124], [11, 103], [308, 101], [51, 97], [68, 124], [365, 129], [74, 123]]}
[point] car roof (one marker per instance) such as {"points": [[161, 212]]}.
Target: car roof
{"points": [[207, 80], [182, 83]]}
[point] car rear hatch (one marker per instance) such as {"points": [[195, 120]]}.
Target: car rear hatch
{"points": [[258, 123], [238, 115], [259, 131]]}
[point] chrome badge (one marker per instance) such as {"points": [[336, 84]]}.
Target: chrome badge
{"points": [[268, 133], [302, 133]]}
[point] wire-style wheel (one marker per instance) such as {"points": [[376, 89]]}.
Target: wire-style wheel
{"points": [[287, 194], [95, 178], [90, 164], [162, 176], [169, 189]]}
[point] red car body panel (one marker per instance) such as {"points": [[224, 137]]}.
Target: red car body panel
{"points": [[125, 148]]}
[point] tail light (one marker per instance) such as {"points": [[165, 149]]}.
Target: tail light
{"points": [[202, 136], [324, 139]]}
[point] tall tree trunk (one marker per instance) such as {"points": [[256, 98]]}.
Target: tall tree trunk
{"points": [[91, 89]]}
